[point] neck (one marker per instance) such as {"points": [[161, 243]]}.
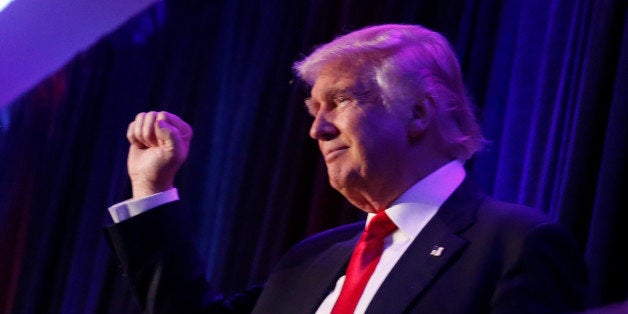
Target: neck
{"points": [[376, 197]]}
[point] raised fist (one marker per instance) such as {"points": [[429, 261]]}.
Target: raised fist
{"points": [[160, 143]]}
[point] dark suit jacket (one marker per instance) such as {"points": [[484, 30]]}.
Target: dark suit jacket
{"points": [[497, 258]]}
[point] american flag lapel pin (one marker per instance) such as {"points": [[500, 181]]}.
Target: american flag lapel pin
{"points": [[437, 250]]}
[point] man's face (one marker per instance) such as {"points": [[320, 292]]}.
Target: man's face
{"points": [[364, 144]]}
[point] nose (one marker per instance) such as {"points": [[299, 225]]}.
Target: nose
{"points": [[323, 128]]}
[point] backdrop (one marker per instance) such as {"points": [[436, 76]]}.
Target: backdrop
{"points": [[550, 80]]}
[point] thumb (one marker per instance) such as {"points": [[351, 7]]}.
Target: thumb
{"points": [[166, 135]]}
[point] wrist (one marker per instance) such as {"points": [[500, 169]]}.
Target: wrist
{"points": [[144, 189]]}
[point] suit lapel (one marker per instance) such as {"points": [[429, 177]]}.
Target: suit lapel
{"points": [[323, 273], [418, 267], [301, 289]]}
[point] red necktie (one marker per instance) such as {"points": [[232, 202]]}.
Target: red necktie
{"points": [[363, 261]]}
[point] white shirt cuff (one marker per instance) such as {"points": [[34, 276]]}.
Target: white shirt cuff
{"points": [[133, 207]]}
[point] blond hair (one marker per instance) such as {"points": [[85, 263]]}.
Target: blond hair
{"points": [[408, 63]]}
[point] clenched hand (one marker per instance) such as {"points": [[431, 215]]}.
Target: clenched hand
{"points": [[160, 143]]}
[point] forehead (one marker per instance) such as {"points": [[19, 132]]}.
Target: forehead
{"points": [[329, 83], [334, 79]]}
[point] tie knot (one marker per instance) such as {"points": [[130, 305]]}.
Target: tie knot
{"points": [[380, 226]]}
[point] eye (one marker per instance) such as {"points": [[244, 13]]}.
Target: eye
{"points": [[342, 101]]}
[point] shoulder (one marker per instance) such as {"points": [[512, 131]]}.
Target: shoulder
{"points": [[511, 222], [515, 226], [510, 214], [329, 237], [470, 211], [313, 245]]}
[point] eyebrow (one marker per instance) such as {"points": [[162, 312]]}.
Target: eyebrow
{"points": [[339, 90], [331, 93], [309, 105]]}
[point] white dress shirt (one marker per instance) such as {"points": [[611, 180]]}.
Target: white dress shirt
{"points": [[410, 212], [133, 207]]}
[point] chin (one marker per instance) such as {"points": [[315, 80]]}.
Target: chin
{"points": [[344, 182]]}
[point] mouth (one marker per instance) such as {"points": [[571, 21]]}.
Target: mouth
{"points": [[333, 153]]}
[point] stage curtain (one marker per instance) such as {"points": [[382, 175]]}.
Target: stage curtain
{"points": [[549, 79]]}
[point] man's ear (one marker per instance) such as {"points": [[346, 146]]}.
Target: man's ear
{"points": [[422, 113]]}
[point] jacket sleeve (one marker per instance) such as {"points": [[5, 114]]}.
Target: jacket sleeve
{"points": [[159, 255]]}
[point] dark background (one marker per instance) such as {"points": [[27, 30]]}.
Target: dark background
{"points": [[549, 78]]}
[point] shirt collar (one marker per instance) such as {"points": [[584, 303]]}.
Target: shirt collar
{"points": [[415, 207]]}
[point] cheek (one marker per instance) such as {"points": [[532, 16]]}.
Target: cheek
{"points": [[386, 142], [370, 132], [368, 148]]}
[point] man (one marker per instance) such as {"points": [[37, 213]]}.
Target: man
{"points": [[394, 126]]}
